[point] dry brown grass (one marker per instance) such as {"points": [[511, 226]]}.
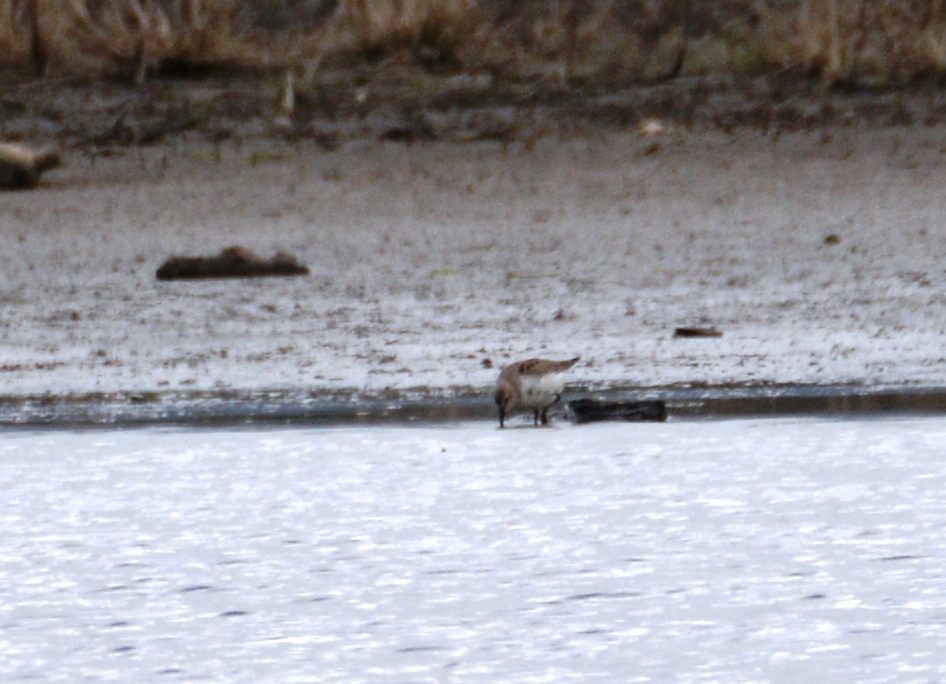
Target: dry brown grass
{"points": [[14, 32], [569, 40], [880, 41], [131, 38]]}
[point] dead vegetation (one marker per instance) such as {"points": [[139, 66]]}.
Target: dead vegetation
{"points": [[862, 41], [561, 41], [509, 71]]}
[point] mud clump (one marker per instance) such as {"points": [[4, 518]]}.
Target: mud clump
{"points": [[588, 410], [696, 332], [22, 166], [233, 262]]}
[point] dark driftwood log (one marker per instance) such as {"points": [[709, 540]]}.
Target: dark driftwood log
{"points": [[21, 166], [233, 262], [595, 411]]}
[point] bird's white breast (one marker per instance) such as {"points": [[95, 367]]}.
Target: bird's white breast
{"points": [[539, 390]]}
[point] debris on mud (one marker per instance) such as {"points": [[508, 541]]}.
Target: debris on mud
{"points": [[233, 262], [588, 410], [22, 166], [690, 332]]}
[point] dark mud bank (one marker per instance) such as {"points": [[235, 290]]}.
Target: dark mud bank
{"points": [[102, 117]]}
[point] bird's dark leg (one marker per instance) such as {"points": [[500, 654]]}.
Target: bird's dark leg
{"points": [[535, 417], [502, 416], [545, 411]]}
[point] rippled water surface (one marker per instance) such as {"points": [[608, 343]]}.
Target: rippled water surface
{"points": [[787, 550]]}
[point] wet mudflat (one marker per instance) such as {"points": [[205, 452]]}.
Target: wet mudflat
{"points": [[817, 257], [787, 549]]}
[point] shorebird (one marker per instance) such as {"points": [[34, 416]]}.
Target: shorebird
{"points": [[533, 384]]}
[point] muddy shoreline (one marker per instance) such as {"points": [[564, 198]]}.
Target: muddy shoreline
{"points": [[274, 408]]}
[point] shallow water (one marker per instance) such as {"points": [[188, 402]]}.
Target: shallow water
{"points": [[726, 551]]}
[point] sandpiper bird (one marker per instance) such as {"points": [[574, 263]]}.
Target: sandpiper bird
{"points": [[531, 384]]}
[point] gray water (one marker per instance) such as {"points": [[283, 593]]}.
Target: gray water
{"points": [[782, 550]]}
